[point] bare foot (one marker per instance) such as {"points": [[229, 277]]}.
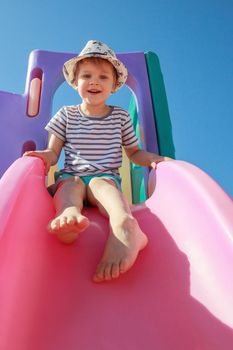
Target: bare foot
{"points": [[121, 250], [68, 225]]}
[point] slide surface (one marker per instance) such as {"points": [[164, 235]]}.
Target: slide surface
{"points": [[178, 295]]}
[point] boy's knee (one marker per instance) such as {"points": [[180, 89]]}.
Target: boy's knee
{"points": [[97, 182], [71, 181]]}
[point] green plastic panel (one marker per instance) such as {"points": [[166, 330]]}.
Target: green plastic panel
{"points": [[162, 124]]}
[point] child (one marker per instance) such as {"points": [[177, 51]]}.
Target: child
{"points": [[92, 135]]}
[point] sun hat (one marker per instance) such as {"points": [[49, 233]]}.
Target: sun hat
{"points": [[95, 48]]}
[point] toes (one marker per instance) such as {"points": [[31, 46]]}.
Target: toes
{"points": [[115, 270], [68, 224], [54, 225], [99, 274], [83, 223], [63, 222], [106, 272], [71, 220]]}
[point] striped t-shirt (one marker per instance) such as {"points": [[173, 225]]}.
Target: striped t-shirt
{"points": [[92, 145]]}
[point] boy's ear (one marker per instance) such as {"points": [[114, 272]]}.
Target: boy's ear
{"points": [[114, 88], [76, 83]]}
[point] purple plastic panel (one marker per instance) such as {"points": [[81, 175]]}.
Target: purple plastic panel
{"points": [[20, 132]]}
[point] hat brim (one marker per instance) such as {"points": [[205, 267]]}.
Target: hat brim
{"points": [[69, 69]]}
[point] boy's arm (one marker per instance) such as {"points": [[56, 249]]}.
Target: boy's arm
{"points": [[51, 154], [144, 158]]}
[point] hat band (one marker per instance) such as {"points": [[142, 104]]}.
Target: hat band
{"points": [[95, 53]]}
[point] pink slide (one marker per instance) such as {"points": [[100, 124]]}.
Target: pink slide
{"points": [[178, 295]]}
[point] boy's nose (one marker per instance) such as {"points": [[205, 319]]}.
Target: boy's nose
{"points": [[94, 81]]}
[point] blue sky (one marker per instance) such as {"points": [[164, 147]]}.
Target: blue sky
{"points": [[193, 40]]}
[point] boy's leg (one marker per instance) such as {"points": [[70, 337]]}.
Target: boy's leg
{"points": [[68, 202], [125, 239]]}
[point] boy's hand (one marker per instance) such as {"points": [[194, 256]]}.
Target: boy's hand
{"points": [[159, 159], [42, 155]]}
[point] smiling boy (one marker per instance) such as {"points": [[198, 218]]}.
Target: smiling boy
{"points": [[92, 135]]}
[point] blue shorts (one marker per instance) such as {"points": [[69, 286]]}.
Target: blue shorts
{"points": [[60, 176]]}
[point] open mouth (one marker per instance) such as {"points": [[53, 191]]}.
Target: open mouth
{"points": [[94, 91]]}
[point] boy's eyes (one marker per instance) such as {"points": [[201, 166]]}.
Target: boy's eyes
{"points": [[88, 76], [103, 76]]}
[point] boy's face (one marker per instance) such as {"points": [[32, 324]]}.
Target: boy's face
{"points": [[95, 81]]}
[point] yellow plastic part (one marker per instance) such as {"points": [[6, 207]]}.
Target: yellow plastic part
{"points": [[50, 178], [126, 178]]}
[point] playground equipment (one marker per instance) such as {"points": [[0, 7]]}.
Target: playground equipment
{"points": [[178, 295]]}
